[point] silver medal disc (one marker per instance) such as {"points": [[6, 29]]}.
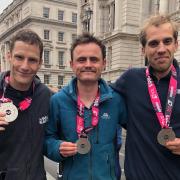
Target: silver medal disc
{"points": [[165, 135], [10, 110], [83, 146]]}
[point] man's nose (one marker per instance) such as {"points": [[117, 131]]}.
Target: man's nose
{"points": [[161, 47], [88, 62], [25, 64]]}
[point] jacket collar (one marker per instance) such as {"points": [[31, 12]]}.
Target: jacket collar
{"points": [[105, 90]]}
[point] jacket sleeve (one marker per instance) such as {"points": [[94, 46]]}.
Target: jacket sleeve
{"points": [[120, 84], [52, 138]]}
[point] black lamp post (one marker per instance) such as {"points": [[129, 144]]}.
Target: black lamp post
{"points": [[88, 14]]}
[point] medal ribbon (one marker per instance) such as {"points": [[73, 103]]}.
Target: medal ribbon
{"points": [[23, 105], [80, 115], [164, 120]]}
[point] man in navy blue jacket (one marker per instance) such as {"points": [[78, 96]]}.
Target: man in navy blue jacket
{"points": [[152, 96]]}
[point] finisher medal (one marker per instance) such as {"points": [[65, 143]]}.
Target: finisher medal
{"points": [[83, 145], [165, 135], [10, 110]]}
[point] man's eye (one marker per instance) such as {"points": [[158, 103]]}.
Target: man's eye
{"points": [[153, 44], [33, 60], [18, 57], [81, 59], [93, 59], [167, 41]]}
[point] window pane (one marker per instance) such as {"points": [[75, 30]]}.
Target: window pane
{"points": [[61, 58], [60, 15], [46, 79], [60, 80], [60, 36], [74, 17], [46, 56], [74, 36], [46, 34], [46, 12]]}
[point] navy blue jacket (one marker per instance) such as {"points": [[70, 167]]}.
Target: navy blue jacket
{"points": [[21, 144], [145, 159]]}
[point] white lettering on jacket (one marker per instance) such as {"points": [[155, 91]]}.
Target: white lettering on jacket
{"points": [[43, 120]]}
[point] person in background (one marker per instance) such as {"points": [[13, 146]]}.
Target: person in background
{"points": [[24, 107], [84, 116], [152, 95]]}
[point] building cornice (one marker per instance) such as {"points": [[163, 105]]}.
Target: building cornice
{"points": [[120, 35], [13, 6], [31, 19], [65, 2]]}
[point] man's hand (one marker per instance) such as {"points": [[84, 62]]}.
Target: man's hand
{"points": [[2, 121], [174, 146], [68, 149]]}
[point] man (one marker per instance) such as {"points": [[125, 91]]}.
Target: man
{"points": [[23, 111], [83, 117], [152, 96]]}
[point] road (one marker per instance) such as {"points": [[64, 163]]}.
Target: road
{"points": [[51, 167]]}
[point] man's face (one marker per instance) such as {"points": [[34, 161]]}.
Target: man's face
{"points": [[88, 63], [24, 62], [160, 47]]}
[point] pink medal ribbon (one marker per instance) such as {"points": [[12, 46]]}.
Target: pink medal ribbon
{"points": [[23, 105], [164, 120], [80, 115]]}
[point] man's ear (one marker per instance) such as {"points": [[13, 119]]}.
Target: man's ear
{"points": [[143, 51]]}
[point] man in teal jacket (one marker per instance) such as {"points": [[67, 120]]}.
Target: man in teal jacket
{"points": [[84, 116]]}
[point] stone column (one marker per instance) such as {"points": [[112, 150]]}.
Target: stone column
{"points": [[117, 15], [163, 6], [79, 24]]}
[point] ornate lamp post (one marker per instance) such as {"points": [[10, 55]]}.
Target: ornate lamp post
{"points": [[88, 15]]}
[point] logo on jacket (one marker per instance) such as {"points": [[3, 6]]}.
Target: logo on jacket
{"points": [[178, 91], [105, 116], [43, 120]]}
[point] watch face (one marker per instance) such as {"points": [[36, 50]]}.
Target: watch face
{"points": [[10, 110], [83, 145]]}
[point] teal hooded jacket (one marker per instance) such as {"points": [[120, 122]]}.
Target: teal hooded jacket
{"points": [[99, 163]]}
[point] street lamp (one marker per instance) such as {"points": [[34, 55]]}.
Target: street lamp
{"points": [[88, 14]]}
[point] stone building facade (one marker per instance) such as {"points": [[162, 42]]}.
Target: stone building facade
{"points": [[118, 23], [56, 23]]}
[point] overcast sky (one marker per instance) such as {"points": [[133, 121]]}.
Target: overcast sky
{"points": [[4, 4]]}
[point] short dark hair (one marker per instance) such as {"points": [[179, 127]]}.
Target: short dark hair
{"points": [[27, 36], [87, 38], [156, 21]]}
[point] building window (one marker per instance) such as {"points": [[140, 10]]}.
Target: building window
{"points": [[46, 12], [74, 36], [60, 80], [60, 36], [46, 34], [61, 58], [60, 15], [46, 56], [46, 79], [74, 17]]}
